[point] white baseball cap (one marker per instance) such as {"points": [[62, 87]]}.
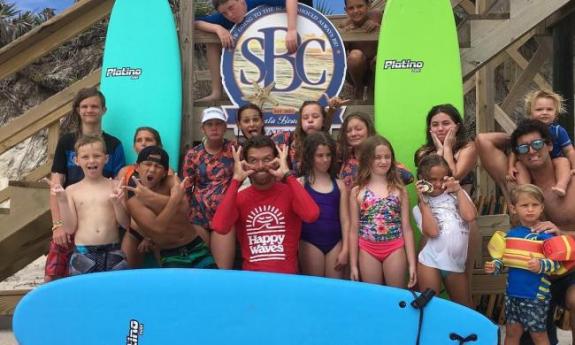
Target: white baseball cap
{"points": [[213, 113]]}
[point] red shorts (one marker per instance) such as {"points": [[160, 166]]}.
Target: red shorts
{"points": [[58, 259]]}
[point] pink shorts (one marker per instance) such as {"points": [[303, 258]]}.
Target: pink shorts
{"points": [[381, 250]]}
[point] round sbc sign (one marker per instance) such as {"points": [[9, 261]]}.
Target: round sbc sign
{"points": [[259, 69]]}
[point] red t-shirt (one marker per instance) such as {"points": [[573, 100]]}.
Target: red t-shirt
{"points": [[267, 222]]}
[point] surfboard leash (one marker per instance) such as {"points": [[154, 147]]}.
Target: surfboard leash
{"points": [[419, 303]]}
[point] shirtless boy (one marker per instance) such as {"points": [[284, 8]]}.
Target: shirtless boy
{"points": [[92, 210], [156, 202]]}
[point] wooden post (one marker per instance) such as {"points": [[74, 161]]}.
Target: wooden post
{"points": [[484, 121], [186, 17], [563, 68]]}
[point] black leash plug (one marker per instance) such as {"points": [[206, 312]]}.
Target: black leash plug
{"points": [[421, 301]]}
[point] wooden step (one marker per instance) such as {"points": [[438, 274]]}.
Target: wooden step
{"points": [[25, 231], [9, 299]]}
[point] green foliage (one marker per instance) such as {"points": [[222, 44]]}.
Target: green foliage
{"points": [[15, 23], [203, 7]]}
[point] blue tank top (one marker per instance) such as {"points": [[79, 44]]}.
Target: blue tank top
{"points": [[325, 232]]}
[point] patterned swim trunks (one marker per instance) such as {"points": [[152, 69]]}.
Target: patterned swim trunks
{"points": [[531, 313], [195, 254], [101, 258]]}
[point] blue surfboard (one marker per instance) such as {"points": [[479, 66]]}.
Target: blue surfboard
{"points": [[141, 74], [186, 306]]}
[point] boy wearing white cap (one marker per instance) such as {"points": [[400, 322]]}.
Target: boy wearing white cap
{"points": [[210, 167]]}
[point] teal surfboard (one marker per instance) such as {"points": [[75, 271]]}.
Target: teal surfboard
{"points": [[186, 306], [418, 66], [141, 74]]}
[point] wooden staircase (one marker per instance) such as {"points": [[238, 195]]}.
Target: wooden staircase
{"points": [[489, 38]]}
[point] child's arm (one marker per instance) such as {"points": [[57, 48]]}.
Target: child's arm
{"points": [[569, 152], [148, 221], [223, 34], [408, 238], [467, 209], [343, 256], [511, 169], [493, 267], [59, 234], [543, 265], [67, 209], [353, 233], [291, 35], [428, 225], [117, 199], [467, 157], [373, 21]]}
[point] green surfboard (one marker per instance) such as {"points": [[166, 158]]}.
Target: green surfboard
{"points": [[141, 74], [418, 66]]}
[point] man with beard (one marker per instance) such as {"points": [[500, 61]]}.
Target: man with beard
{"points": [[163, 216], [268, 214]]}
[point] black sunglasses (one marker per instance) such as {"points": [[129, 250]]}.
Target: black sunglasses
{"points": [[536, 144]]}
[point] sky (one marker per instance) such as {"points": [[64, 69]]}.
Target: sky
{"points": [[59, 5], [335, 5], [39, 5]]}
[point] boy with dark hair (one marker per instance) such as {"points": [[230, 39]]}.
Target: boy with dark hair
{"points": [[165, 222], [92, 210], [231, 12]]}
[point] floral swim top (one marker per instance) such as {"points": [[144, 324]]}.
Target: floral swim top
{"points": [[380, 218]]}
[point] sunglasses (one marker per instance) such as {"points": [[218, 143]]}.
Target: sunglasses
{"points": [[536, 144]]}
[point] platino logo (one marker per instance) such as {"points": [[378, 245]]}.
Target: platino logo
{"points": [[136, 330], [133, 73], [414, 66]]}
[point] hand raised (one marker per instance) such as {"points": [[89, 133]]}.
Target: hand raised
{"points": [[56, 189], [281, 163], [451, 185], [335, 102], [117, 194], [241, 169]]}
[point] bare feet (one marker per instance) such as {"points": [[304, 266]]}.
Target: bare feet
{"points": [[559, 191]]}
